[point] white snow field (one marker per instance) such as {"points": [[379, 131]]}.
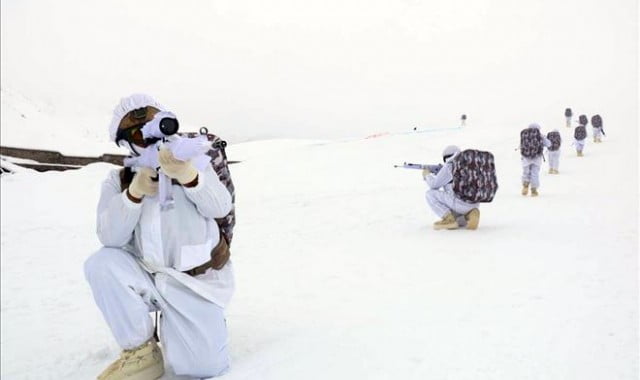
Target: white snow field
{"points": [[340, 274]]}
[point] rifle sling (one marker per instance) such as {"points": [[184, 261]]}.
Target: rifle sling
{"points": [[219, 256]]}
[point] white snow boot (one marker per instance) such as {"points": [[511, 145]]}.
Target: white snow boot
{"points": [[473, 218], [525, 188], [448, 222], [141, 363]]}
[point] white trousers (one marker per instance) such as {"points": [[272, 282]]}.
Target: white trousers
{"points": [[579, 144], [597, 133], [531, 173], [554, 159], [442, 202], [193, 331]]}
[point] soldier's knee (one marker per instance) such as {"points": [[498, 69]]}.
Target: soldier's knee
{"points": [[99, 263], [432, 195]]}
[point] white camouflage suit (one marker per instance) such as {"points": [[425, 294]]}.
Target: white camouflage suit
{"points": [[554, 156], [441, 197], [140, 268], [597, 133], [579, 144], [531, 166]]}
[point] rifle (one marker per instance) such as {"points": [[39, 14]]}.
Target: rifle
{"points": [[432, 168], [184, 149]]}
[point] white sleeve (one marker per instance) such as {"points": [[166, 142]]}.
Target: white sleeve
{"points": [[117, 214], [444, 176], [210, 195]]}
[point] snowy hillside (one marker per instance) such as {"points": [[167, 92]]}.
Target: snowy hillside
{"points": [[340, 274], [326, 69]]}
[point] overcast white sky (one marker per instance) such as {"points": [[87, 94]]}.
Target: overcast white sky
{"points": [[323, 69]]}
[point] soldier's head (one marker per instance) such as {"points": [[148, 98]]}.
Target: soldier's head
{"points": [[582, 119], [449, 152], [131, 113]]}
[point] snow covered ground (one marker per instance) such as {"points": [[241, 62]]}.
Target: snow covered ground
{"points": [[340, 274]]}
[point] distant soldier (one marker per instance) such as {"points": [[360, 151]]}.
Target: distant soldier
{"points": [[532, 144], [553, 151], [580, 134], [568, 114], [463, 120], [598, 131]]}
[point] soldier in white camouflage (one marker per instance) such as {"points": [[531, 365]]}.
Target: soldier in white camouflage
{"points": [[553, 151], [532, 143], [453, 211]]}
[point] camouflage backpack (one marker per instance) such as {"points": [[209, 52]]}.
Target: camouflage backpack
{"points": [[580, 133], [555, 139], [596, 121], [582, 119], [474, 176], [530, 142], [221, 167]]}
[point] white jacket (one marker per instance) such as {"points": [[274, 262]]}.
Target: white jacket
{"points": [[444, 180], [174, 240]]}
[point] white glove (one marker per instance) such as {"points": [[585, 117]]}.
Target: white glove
{"points": [[143, 184], [183, 171]]}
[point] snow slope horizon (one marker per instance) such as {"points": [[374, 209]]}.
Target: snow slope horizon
{"points": [[334, 69], [340, 275]]}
